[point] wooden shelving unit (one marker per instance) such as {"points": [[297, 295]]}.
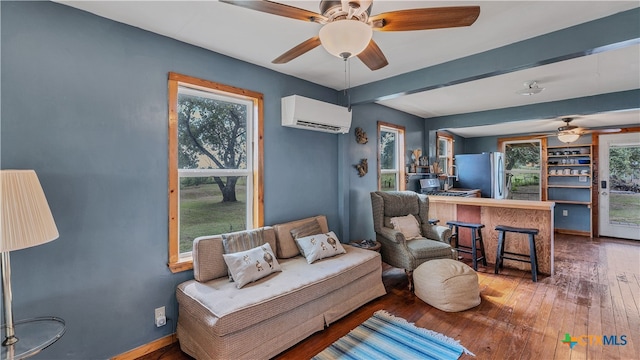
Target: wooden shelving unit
{"points": [[569, 184]]}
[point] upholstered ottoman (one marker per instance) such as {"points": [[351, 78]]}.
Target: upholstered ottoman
{"points": [[447, 284]]}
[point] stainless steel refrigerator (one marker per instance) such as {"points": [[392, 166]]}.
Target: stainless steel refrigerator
{"points": [[481, 171]]}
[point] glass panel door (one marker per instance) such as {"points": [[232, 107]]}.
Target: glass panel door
{"points": [[522, 169], [620, 186]]}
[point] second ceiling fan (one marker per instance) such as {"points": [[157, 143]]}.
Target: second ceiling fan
{"points": [[348, 26], [570, 133]]}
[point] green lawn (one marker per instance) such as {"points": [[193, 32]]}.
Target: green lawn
{"points": [[388, 182], [624, 208], [525, 187], [203, 213]]}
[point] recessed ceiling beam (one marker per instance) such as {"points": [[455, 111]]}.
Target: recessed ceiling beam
{"points": [[612, 32]]}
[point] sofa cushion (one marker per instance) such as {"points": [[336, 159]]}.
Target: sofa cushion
{"points": [[306, 229], [231, 309], [207, 254], [320, 246], [407, 225], [425, 248], [251, 265], [287, 247], [242, 240]]}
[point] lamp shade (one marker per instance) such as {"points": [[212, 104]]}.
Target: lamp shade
{"points": [[345, 38], [568, 137], [26, 217]]}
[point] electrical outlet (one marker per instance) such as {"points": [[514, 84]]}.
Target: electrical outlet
{"points": [[160, 318], [565, 212]]}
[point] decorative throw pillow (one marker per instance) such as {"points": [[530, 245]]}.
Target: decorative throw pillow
{"points": [[251, 265], [320, 246], [306, 229], [242, 241], [408, 226]]}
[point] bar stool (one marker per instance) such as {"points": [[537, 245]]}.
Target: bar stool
{"points": [[476, 236], [500, 256]]}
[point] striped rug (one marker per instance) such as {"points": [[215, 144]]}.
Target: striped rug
{"points": [[384, 336]]}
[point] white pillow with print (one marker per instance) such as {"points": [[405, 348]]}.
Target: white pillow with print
{"points": [[251, 265], [320, 246]]}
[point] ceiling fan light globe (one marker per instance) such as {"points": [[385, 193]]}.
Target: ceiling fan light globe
{"points": [[568, 138], [345, 38]]}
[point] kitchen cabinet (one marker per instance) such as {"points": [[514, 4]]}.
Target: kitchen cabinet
{"points": [[569, 181]]}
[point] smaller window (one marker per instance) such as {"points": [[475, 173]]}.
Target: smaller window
{"points": [[390, 157], [445, 153]]}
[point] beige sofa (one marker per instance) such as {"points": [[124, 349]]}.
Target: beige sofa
{"points": [[216, 320]]}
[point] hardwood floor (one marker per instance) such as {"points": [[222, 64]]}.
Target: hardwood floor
{"points": [[595, 292]]}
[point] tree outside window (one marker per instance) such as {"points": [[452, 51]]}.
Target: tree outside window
{"points": [[522, 168], [624, 168]]}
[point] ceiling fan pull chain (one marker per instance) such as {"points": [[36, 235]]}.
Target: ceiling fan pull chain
{"points": [[349, 92], [347, 81]]}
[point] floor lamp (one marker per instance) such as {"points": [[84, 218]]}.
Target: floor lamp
{"points": [[26, 222]]}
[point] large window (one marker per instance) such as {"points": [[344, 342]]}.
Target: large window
{"points": [[390, 157], [523, 167], [214, 163]]}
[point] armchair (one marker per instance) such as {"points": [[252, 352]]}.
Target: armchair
{"points": [[396, 250]]}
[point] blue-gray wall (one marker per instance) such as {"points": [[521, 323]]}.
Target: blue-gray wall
{"points": [[84, 103], [366, 116]]}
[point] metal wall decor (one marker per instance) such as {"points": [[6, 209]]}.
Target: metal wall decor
{"points": [[362, 168], [361, 136]]}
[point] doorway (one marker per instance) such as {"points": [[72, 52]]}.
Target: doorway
{"points": [[522, 159], [619, 185]]}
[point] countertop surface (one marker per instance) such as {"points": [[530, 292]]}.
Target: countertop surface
{"points": [[470, 191], [504, 203]]}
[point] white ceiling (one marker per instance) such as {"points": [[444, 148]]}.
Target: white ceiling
{"points": [[258, 38]]}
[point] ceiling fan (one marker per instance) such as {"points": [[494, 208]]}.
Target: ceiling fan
{"points": [[570, 133], [347, 25]]}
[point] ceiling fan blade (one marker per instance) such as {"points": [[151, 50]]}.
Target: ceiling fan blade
{"points": [[373, 57], [601, 131], [298, 50], [425, 19], [541, 135], [275, 8]]}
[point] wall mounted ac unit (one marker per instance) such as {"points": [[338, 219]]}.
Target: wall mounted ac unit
{"points": [[304, 113]]}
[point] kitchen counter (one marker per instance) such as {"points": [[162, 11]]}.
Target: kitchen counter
{"points": [[453, 192], [476, 201], [493, 212], [466, 192]]}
